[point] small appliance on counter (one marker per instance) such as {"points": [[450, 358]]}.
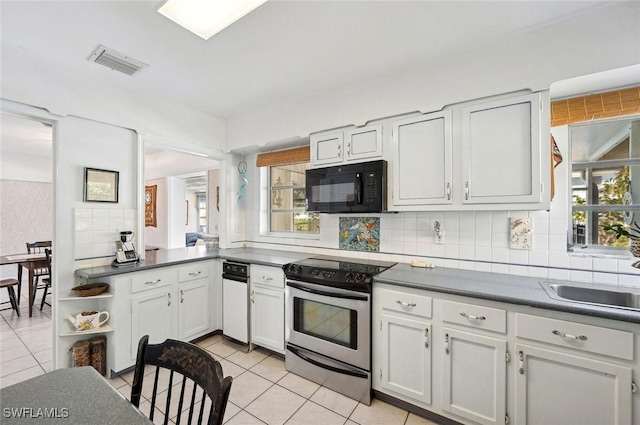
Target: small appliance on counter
{"points": [[125, 250]]}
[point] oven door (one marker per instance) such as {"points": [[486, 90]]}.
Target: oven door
{"points": [[333, 322]]}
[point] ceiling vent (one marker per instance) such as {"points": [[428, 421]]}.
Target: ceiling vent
{"points": [[116, 61]]}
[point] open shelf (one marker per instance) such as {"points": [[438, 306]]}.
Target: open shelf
{"points": [[100, 330], [74, 297]]}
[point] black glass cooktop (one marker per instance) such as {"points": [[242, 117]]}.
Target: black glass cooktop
{"points": [[336, 272]]}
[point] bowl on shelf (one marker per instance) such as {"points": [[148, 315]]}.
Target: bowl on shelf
{"points": [[90, 289]]}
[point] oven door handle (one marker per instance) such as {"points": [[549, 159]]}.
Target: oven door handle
{"points": [[357, 374], [328, 294]]}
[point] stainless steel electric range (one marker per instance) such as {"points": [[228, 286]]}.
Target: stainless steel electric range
{"points": [[328, 322]]}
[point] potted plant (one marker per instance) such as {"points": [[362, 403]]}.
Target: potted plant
{"points": [[632, 232]]}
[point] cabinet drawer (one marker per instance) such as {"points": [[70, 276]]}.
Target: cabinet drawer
{"points": [[475, 316], [153, 279], [404, 302], [268, 276], [193, 271], [594, 339]]}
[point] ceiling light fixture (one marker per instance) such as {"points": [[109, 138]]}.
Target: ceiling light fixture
{"points": [[206, 18]]}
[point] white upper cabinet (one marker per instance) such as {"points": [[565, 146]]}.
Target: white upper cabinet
{"points": [[478, 155], [422, 146], [337, 147], [502, 148], [326, 148], [364, 142]]}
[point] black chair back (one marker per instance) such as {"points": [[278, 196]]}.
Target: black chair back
{"points": [[191, 365]]}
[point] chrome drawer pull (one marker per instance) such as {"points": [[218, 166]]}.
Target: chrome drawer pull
{"points": [[148, 282], [569, 336], [267, 278], [194, 274], [471, 316], [406, 304]]}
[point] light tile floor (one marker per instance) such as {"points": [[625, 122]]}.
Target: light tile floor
{"points": [[263, 392]]}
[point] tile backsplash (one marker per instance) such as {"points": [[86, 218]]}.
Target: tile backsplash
{"points": [[96, 230]]}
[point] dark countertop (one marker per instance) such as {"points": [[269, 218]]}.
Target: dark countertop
{"points": [[70, 396], [177, 256], [484, 285], [496, 287]]}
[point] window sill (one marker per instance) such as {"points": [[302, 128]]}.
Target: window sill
{"points": [[602, 252]]}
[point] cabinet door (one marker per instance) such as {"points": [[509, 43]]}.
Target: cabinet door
{"points": [[193, 308], [365, 142], [405, 349], [554, 388], [267, 318], [474, 376], [502, 151], [151, 314], [422, 160], [326, 149]]}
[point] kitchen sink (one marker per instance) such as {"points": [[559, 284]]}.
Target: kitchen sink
{"points": [[594, 294]]}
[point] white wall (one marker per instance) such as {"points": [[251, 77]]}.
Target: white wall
{"points": [[26, 167], [599, 40]]}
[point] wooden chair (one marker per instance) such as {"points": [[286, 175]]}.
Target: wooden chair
{"points": [[9, 284], [191, 367], [37, 248], [46, 281]]}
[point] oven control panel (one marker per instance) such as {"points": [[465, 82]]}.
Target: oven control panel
{"points": [[327, 276]]}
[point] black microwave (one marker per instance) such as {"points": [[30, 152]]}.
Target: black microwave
{"points": [[352, 188]]}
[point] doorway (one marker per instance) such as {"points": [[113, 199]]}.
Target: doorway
{"points": [[185, 207]]}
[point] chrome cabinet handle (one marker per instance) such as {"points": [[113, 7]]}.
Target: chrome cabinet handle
{"points": [[466, 191], [169, 299], [148, 282], [426, 338], [448, 191], [252, 300], [521, 362], [405, 304], [195, 274], [181, 296], [446, 343], [340, 151], [349, 149], [267, 278], [471, 316], [569, 336]]}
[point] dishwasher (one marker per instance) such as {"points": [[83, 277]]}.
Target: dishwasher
{"points": [[235, 301]]}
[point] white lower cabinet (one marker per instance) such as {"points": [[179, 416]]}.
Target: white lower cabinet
{"points": [[152, 314], [267, 307], [402, 344], [557, 388], [474, 376], [193, 308], [267, 318], [165, 302], [485, 362], [405, 361]]}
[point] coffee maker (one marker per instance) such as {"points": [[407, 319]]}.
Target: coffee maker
{"points": [[125, 250]]}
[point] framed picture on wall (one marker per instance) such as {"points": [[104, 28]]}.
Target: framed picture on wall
{"points": [[150, 219], [100, 185]]}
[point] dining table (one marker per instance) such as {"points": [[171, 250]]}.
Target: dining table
{"points": [[31, 262], [71, 396]]}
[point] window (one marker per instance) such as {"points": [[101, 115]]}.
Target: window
{"points": [[201, 207], [287, 203], [605, 181]]}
